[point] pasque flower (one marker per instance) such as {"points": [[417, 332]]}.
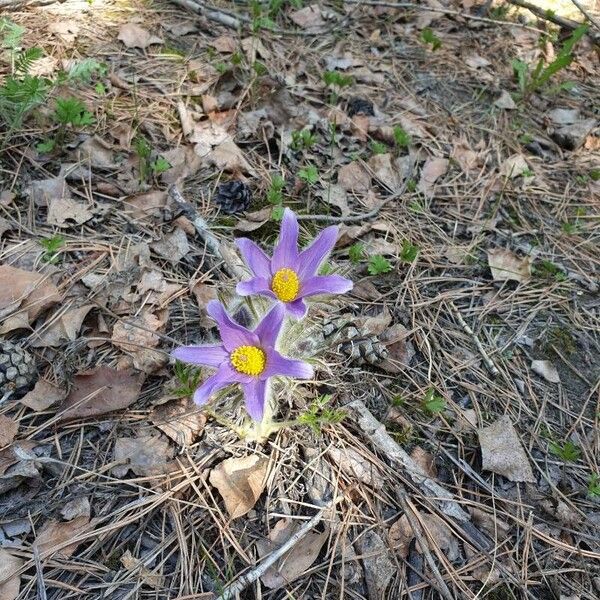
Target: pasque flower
{"points": [[245, 357], [290, 276]]}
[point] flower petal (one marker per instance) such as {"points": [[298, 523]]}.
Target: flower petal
{"points": [[223, 377], [325, 284], [285, 253], [270, 326], [232, 334], [255, 258], [211, 356], [255, 396], [256, 285], [296, 309], [288, 367], [310, 259]]}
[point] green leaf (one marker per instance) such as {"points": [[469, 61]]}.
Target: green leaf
{"points": [[593, 487], [309, 174], [401, 137], [11, 33], [100, 89], [277, 213], [567, 451], [409, 252], [429, 37], [160, 165], [46, 146], [24, 60], [378, 264], [356, 252], [72, 111], [379, 148], [432, 403], [84, 70], [51, 246], [337, 79]]}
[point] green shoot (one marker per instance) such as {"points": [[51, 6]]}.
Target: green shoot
{"points": [[303, 140], [309, 174], [429, 37], [188, 377], [593, 487], [319, 414], [432, 403], [277, 213], [336, 81], [379, 148], [160, 165], [52, 246], [401, 138], [275, 191], [409, 252], [84, 70], [378, 264], [356, 252], [46, 146], [72, 111], [568, 451]]}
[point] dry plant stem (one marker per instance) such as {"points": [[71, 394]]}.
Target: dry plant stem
{"points": [[231, 262], [545, 15], [442, 588], [587, 15], [243, 582], [376, 433], [489, 363]]}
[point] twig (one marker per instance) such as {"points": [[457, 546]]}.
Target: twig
{"points": [[231, 262], [489, 363], [419, 535], [379, 437], [587, 15], [245, 580], [546, 15]]}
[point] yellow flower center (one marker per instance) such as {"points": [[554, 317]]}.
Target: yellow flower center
{"points": [[249, 360], [285, 285]]}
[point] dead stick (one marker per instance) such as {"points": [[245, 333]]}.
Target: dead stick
{"points": [[375, 431], [587, 15], [489, 363], [245, 580]]}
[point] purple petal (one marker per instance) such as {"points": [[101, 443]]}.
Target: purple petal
{"points": [[232, 334], [211, 356], [296, 309], [285, 253], [255, 258], [223, 377], [270, 326], [325, 284], [288, 367], [310, 259], [255, 395], [256, 285]]}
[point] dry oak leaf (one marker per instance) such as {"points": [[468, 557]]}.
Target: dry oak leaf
{"points": [[400, 536], [146, 455], [386, 171], [42, 191], [295, 562], [227, 156], [378, 566], [54, 535], [353, 178], [180, 419], [546, 369], [62, 328], [10, 580], [61, 210], [8, 430], [355, 465], [131, 563], [134, 36], [130, 338], [101, 390], [225, 44], [308, 17], [432, 170], [502, 452], [148, 204], [240, 482], [507, 266], [173, 246], [29, 292], [514, 166]]}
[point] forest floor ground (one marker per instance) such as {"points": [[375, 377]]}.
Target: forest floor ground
{"points": [[449, 441]]}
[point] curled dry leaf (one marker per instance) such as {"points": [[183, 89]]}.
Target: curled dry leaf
{"points": [[180, 419], [240, 482], [254, 220], [54, 536], [10, 580], [546, 369], [173, 246], [378, 566], [134, 36], [225, 44], [78, 507], [154, 580], [136, 334], [25, 294], [308, 17], [149, 204], [63, 326], [227, 156], [354, 178], [502, 452], [101, 390], [432, 170], [514, 166], [400, 536], [8, 430], [355, 465], [507, 266], [145, 455], [42, 191], [336, 196], [505, 101], [386, 171], [61, 210], [295, 562]]}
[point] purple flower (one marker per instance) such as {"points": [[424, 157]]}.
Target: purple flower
{"points": [[290, 275], [245, 357]]}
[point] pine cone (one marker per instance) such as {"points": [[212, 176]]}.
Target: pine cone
{"points": [[233, 197], [360, 349], [360, 106], [17, 368]]}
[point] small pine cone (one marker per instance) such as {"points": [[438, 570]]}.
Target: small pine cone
{"points": [[17, 368], [365, 350], [233, 197], [360, 106]]}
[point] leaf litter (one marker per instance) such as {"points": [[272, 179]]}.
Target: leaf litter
{"points": [[485, 210]]}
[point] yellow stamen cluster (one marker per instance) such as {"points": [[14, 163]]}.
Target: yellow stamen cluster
{"points": [[249, 360], [285, 285]]}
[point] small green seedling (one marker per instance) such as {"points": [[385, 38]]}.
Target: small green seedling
{"points": [[85, 70], [277, 212], [595, 174], [309, 174], [46, 146], [409, 252], [319, 414], [275, 191], [72, 111], [593, 487], [188, 378], [160, 165], [303, 139], [433, 404], [548, 270], [336, 81], [378, 265], [401, 138], [429, 37], [568, 451], [356, 252], [379, 148], [52, 246], [259, 68]]}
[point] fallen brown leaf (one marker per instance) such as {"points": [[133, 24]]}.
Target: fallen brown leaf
{"points": [[173, 246], [148, 204], [154, 580], [101, 390], [180, 419], [353, 178], [134, 36], [507, 266], [225, 44], [546, 369], [10, 580], [62, 328], [400, 535], [76, 508], [356, 466], [53, 535], [8, 430], [42, 191], [514, 166], [386, 171], [240, 482], [146, 455], [227, 156], [502, 452], [308, 17], [129, 337], [61, 210], [378, 566], [432, 170]]}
